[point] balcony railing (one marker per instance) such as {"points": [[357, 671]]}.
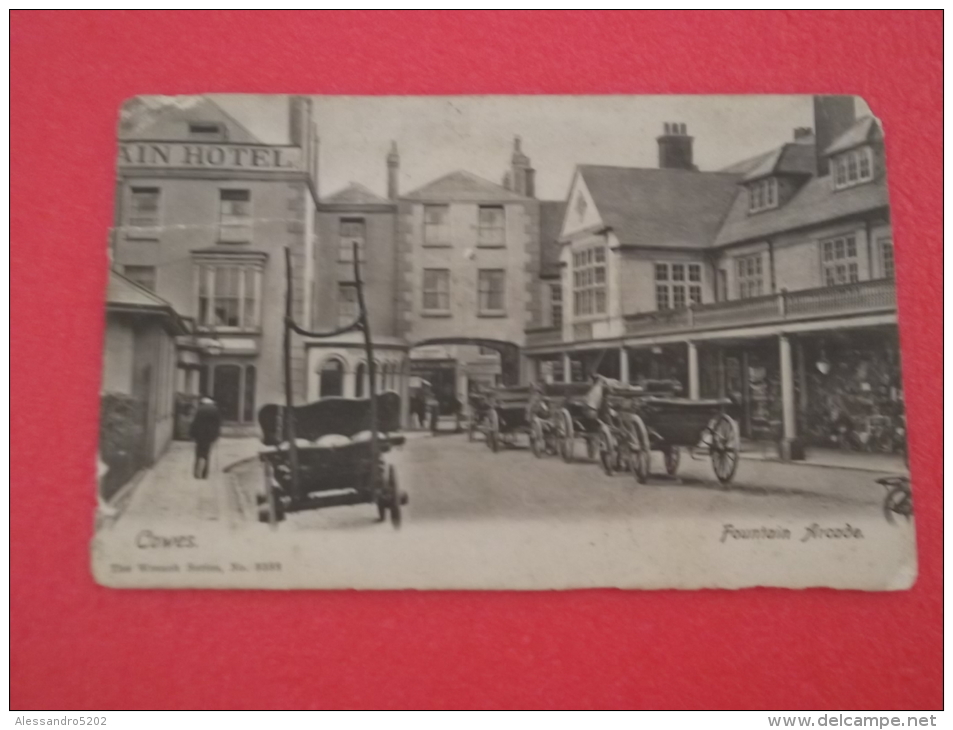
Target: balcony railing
{"points": [[856, 298], [847, 299]]}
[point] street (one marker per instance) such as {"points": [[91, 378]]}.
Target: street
{"points": [[450, 479]]}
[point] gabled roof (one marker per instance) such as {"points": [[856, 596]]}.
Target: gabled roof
{"points": [[163, 118], [662, 208], [815, 202], [125, 294], [792, 158], [551, 214], [462, 186], [355, 194], [864, 130]]}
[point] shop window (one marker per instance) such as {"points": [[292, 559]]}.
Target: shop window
{"points": [[853, 167], [332, 379], [351, 231], [839, 260], [144, 276], [347, 304], [556, 305], [491, 228], [234, 216], [763, 195], [750, 276], [589, 281], [677, 285], [436, 225], [143, 207], [490, 287], [436, 291], [228, 296], [886, 258]]}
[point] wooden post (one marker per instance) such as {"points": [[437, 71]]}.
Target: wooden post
{"points": [[371, 367], [289, 395]]}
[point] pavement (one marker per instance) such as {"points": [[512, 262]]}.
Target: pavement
{"points": [[169, 492], [831, 458]]}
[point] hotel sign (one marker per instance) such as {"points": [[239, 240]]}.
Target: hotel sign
{"points": [[205, 156]]}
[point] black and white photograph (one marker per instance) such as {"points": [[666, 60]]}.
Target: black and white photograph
{"points": [[502, 343]]}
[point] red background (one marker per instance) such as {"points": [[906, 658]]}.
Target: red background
{"points": [[78, 646]]}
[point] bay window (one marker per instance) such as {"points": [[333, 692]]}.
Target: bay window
{"points": [[677, 285], [589, 281], [229, 296]]}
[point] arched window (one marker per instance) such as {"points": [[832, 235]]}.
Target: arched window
{"points": [[332, 378], [359, 378]]}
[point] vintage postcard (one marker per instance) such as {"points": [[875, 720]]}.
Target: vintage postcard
{"points": [[502, 343]]}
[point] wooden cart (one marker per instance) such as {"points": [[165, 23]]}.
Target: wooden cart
{"points": [[304, 469], [343, 474], [507, 415]]}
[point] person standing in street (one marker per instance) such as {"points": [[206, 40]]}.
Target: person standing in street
{"points": [[205, 430]]}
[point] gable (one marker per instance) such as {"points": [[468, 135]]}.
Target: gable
{"points": [[355, 194], [169, 117], [581, 212]]}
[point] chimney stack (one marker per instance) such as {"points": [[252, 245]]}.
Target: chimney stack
{"points": [[803, 134], [393, 167], [523, 177], [833, 115], [675, 147]]}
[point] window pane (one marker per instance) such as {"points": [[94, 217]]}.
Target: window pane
{"points": [[661, 272], [839, 248], [828, 250], [600, 255], [851, 246], [851, 166], [695, 294], [694, 272], [661, 296], [600, 303], [678, 272], [144, 207], [491, 226], [886, 252], [852, 273], [865, 172], [678, 297]]}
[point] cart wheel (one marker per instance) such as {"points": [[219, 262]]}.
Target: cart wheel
{"points": [[551, 438], [672, 458], [395, 496], [536, 438], [898, 502], [568, 437], [724, 448], [608, 453], [641, 458]]}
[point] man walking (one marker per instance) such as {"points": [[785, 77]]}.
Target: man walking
{"points": [[205, 430]]}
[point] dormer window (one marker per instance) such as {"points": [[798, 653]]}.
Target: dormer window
{"points": [[763, 195], [853, 167]]}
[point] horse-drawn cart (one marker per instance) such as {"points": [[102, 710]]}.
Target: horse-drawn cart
{"points": [[330, 452], [671, 424], [507, 415], [335, 463]]}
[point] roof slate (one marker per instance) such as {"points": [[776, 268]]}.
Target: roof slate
{"points": [[125, 292], [356, 194], [861, 133], [462, 186], [661, 208], [792, 158], [816, 202]]}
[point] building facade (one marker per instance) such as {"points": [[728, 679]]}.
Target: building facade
{"points": [[770, 282], [468, 255], [204, 214], [351, 217]]}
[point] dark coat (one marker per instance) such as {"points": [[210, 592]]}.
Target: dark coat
{"points": [[207, 423]]}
